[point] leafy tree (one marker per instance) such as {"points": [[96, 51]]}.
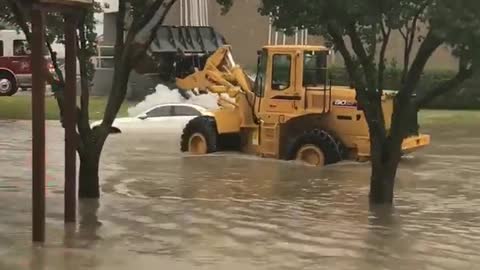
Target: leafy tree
{"points": [[136, 25], [368, 25], [361, 31]]}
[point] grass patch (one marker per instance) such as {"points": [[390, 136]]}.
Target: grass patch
{"points": [[20, 108], [448, 117]]}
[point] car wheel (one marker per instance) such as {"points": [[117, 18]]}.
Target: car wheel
{"points": [[317, 148], [8, 84], [200, 136]]}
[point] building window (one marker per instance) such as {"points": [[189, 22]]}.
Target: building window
{"points": [[282, 64]]}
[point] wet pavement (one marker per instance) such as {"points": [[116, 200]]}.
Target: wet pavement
{"points": [[161, 209]]}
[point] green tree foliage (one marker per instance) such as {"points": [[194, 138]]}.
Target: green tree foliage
{"points": [[16, 15], [361, 31], [136, 23]]}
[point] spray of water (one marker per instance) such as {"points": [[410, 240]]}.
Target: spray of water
{"points": [[164, 95]]}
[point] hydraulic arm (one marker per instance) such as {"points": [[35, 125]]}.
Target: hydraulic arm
{"points": [[220, 75]]}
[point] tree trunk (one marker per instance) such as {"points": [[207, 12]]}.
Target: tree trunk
{"points": [[382, 181], [89, 186], [386, 154]]}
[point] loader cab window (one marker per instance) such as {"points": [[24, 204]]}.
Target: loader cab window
{"points": [[261, 73], [314, 68], [282, 64]]}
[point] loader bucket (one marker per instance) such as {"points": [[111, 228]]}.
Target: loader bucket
{"points": [[178, 50]]}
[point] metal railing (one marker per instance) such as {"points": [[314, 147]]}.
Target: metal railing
{"points": [[300, 37]]}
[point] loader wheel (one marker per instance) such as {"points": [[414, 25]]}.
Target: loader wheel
{"points": [[312, 155], [317, 148], [200, 136]]}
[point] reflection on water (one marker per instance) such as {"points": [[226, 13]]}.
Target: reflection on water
{"points": [[230, 211]]}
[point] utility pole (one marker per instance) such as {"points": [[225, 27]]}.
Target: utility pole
{"points": [[38, 126], [70, 117]]}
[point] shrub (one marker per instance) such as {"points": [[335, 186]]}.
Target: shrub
{"points": [[466, 97]]}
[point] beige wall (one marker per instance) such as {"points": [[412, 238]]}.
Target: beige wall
{"points": [[247, 32]]}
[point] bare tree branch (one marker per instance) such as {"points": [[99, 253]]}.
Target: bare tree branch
{"points": [[84, 117], [128, 57], [150, 12], [20, 17], [409, 38], [151, 31], [464, 73], [374, 114], [360, 51], [340, 45], [404, 34], [386, 33], [427, 48], [120, 29]]}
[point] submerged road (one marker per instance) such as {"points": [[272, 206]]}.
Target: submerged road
{"points": [[160, 209]]}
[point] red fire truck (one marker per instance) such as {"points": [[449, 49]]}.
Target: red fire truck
{"points": [[15, 63]]}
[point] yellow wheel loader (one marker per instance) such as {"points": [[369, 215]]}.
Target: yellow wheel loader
{"points": [[290, 111]]}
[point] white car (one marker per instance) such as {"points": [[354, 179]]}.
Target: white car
{"points": [[166, 117]]}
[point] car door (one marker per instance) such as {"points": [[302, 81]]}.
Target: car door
{"points": [[182, 114]]}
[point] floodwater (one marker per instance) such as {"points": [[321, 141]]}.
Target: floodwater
{"points": [[160, 209]]}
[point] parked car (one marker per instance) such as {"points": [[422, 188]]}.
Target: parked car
{"points": [[166, 117], [15, 62]]}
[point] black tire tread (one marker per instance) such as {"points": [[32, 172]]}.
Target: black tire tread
{"points": [[205, 125], [331, 147]]}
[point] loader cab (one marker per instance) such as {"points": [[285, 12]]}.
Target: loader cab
{"points": [[284, 76]]}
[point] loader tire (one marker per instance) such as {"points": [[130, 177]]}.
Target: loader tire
{"points": [[200, 136], [329, 149]]}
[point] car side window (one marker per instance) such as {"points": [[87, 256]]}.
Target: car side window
{"points": [[21, 48], [185, 111], [160, 112]]}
